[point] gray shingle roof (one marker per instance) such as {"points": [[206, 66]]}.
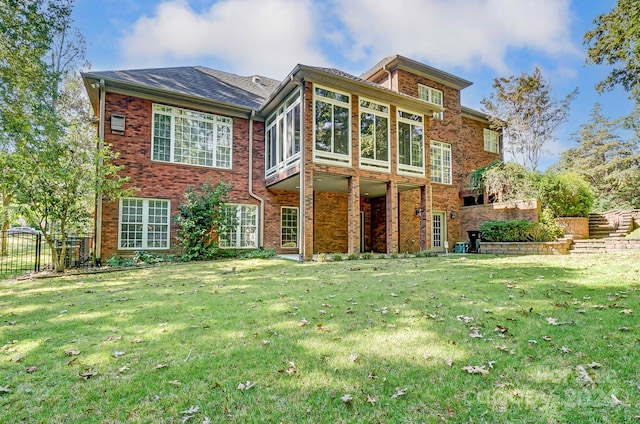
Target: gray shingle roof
{"points": [[250, 91]]}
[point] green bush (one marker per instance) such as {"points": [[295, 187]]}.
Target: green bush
{"points": [[565, 195], [519, 231]]}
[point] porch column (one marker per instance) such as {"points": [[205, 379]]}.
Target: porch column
{"points": [[392, 217], [424, 222], [307, 215], [354, 215]]}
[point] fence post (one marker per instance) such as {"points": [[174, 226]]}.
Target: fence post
{"points": [[36, 266]]}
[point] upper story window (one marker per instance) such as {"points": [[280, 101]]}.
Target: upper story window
{"points": [[144, 223], [491, 141], [332, 126], [410, 143], [283, 136], [440, 162], [374, 135], [433, 96], [190, 137]]}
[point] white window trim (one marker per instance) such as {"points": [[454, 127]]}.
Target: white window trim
{"points": [[215, 119], [145, 224], [330, 158], [439, 145], [405, 169], [491, 141], [238, 225], [284, 162], [428, 94], [282, 208], [368, 163]]}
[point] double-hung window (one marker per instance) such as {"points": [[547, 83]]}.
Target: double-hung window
{"points": [[410, 143], [332, 126], [241, 231], [374, 135], [144, 223], [283, 136], [189, 137], [433, 96], [289, 227], [440, 162], [491, 141]]}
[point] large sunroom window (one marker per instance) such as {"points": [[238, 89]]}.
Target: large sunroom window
{"points": [[374, 135], [143, 224], [410, 143], [440, 162], [283, 136], [332, 128], [242, 231], [189, 137]]}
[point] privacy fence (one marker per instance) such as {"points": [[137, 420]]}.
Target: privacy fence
{"points": [[22, 253]]}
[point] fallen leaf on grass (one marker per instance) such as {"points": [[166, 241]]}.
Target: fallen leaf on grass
{"points": [[501, 329], [354, 357], [372, 400], [123, 369], [303, 322], [88, 374], [399, 392], [449, 362], [175, 383], [32, 369], [5, 389], [118, 354], [346, 398], [616, 401], [584, 377], [475, 333], [464, 318], [505, 349], [475, 369], [565, 349], [160, 366], [247, 385], [17, 358], [291, 370], [546, 338], [72, 360], [626, 311], [72, 352]]}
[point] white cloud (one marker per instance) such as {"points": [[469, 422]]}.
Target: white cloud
{"points": [[461, 33], [251, 36]]}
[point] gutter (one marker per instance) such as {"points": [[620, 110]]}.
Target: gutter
{"points": [[98, 222], [301, 193], [251, 193]]}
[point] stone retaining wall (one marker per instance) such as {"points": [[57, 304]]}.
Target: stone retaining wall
{"points": [[576, 227], [526, 248]]}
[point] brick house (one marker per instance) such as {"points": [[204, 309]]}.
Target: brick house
{"points": [[323, 161]]}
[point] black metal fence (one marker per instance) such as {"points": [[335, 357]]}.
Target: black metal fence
{"points": [[22, 253]]}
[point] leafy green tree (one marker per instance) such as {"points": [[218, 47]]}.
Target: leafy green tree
{"points": [[201, 217], [528, 115], [609, 163], [57, 162], [564, 194], [615, 41]]}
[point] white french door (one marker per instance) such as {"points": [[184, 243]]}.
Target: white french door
{"points": [[438, 231]]}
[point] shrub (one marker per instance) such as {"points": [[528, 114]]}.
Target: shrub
{"points": [[565, 194], [199, 218], [521, 230], [367, 255], [353, 257], [337, 257]]}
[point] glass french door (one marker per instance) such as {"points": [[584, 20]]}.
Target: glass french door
{"points": [[438, 231]]}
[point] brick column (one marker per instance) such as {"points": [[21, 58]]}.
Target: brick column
{"points": [[423, 219], [307, 247], [392, 217], [354, 215]]}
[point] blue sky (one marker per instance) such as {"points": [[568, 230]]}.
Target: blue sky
{"points": [[478, 40]]}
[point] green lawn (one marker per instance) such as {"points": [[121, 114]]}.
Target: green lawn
{"points": [[477, 338]]}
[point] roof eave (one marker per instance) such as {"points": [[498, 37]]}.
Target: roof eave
{"points": [[157, 94]]}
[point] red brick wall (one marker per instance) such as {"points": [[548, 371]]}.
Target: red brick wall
{"points": [[471, 217], [169, 181], [330, 222]]}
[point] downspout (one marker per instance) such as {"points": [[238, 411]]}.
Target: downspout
{"points": [[251, 193], [384, 68], [98, 227]]}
